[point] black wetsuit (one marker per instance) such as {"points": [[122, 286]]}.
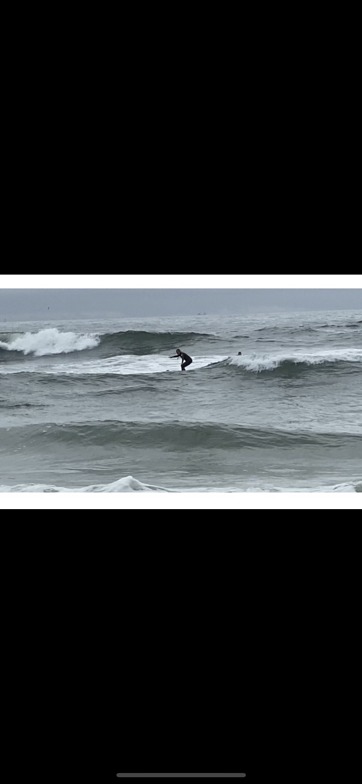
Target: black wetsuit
{"points": [[186, 360]]}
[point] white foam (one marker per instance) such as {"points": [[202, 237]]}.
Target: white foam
{"points": [[126, 364], [128, 484], [50, 341], [125, 484], [257, 362]]}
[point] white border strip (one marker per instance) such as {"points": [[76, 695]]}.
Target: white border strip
{"points": [[155, 500], [180, 281]]}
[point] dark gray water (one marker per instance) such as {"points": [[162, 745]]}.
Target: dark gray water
{"points": [[100, 406]]}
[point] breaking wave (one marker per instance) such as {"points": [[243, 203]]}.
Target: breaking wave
{"points": [[257, 363], [45, 342], [52, 341], [128, 484]]}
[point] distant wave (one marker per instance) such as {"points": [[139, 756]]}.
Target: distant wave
{"points": [[175, 435], [9, 405], [286, 330], [302, 328], [347, 325], [52, 341], [128, 484]]}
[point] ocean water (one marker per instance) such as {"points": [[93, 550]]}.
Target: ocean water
{"points": [[99, 406]]}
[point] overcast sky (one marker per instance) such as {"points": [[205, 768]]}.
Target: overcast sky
{"points": [[39, 304]]}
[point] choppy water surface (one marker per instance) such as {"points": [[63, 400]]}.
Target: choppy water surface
{"points": [[100, 406]]}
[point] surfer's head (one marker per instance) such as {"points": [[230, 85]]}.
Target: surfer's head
{"points": [[178, 351]]}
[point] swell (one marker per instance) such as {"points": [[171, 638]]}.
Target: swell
{"points": [[5, 404], [142, 342], [347, 325], [302, 328], [172, 436], [52, 342]]}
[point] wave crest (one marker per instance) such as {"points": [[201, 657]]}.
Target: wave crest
{"points": [[52, 341], [258, 363], [48, 341]]}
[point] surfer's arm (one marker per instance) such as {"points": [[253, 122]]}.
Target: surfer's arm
{"points": [[174, 356]]}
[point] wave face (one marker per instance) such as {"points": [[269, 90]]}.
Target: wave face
{"points": [[47, 342], [88, 354], [143, 342], [270, 403]]}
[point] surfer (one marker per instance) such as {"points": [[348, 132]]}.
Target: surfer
{"points": [[185, 359]]}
